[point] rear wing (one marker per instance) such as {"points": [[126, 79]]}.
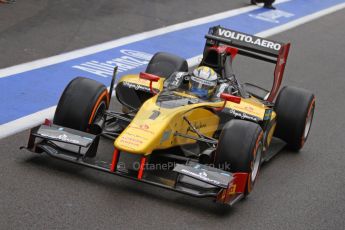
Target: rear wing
{"points": [[255, 47]]}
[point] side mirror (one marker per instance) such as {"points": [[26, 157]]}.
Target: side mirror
{"points": [[229, 97], [151, 78], [148, 76]]}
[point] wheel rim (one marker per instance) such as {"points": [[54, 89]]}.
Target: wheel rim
{"points": [[99, 112], [257, 162], [308, 124]]}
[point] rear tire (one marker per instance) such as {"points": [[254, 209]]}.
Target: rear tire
{"points": [[161, 64], [295, 110], [82, 102], [164, 64], [241, 146]]}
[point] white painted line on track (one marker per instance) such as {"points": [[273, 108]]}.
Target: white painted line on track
{"points": [[37, 118], [26, 122], [301, 21], [7, 72]]}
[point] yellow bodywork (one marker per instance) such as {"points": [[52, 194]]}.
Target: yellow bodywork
{"points": [[145, 134]]}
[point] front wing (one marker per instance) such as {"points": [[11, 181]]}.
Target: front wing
{"points": [[184, 175]]}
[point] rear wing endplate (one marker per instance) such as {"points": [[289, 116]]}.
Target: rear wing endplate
{"points": [[255, 47]]}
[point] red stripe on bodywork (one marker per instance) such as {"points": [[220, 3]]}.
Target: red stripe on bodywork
{"points": [[114, 161], [141, 169]]}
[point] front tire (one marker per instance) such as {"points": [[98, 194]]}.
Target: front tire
{"points": [[81, 104], [241, 146]]}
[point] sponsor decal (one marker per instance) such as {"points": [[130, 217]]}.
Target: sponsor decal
{"points": [[130, 141], [248, 39], [136, 86], [202, 176], [272, 15], [136, 136], [142, 127], [59, 134], [243, 116], [62, 137], [249, 109], [203, 81], [205, 173]]}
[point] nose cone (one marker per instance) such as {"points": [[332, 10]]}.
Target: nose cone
{"points": [[139, 138]]}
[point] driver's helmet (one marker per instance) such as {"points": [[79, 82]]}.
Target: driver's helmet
{"points": [[203, 82]]}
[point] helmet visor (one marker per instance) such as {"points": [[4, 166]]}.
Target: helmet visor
{"points": [[201, 87]]}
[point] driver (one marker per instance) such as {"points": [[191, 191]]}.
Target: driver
{"points": [[203, 82]]}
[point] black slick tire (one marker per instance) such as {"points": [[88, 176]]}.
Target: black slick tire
{"points": [[295, 110], [80, 104], [241, 146]]}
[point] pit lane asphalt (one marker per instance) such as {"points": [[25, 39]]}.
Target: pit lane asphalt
{"points": [[294, 191]]}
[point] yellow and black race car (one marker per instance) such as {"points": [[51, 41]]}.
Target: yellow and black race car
{"points": [[200, 133]]}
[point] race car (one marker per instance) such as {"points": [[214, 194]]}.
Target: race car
{"points": [[198, 131]]}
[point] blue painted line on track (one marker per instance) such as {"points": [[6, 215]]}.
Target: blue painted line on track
{"points": [[28, 92]]}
